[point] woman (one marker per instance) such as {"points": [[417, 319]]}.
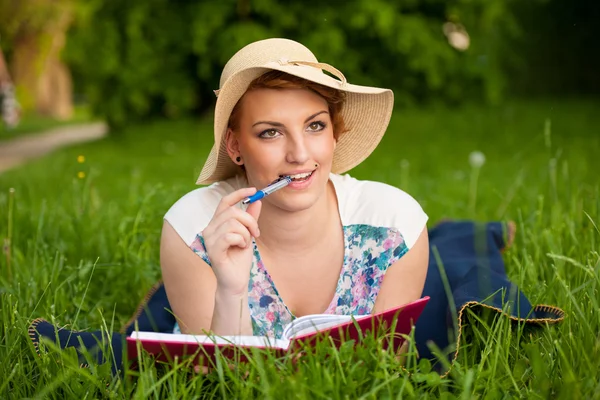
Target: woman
{"points": [[324, 244]]}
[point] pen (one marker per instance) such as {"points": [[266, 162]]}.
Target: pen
{"points": [[279, 184]]}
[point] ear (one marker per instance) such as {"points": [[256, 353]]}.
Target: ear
{"points": [[232, 144]]}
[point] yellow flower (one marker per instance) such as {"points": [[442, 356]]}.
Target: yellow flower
{"points": [[80, 159], [81, 174]]}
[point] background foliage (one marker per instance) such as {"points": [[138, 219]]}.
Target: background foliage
{"points": [[162, 58], [158, 57], [557, 51], [22, 18]]}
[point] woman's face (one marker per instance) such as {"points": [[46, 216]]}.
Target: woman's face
{"points": [[285, 132]]}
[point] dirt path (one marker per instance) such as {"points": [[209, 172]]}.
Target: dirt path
{"points": [[17, 151]]}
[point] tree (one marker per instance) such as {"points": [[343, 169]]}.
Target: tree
{"points": [[34, 35]]}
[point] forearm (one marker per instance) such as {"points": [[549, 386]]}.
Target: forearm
{"points": [[231, 315]]}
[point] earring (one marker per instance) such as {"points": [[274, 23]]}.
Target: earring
{"points": [[238, 159]]}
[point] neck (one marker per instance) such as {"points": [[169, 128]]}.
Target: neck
{"points": [[294, 232]]}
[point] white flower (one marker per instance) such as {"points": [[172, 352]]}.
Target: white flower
{"points": [[356, 252], [476, 159], [375, 250], [346, 283]]}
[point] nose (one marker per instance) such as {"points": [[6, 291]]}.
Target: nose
{"points": [[297, 149]]}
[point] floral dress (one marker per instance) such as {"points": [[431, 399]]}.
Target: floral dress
{"points": [[368, 252]]}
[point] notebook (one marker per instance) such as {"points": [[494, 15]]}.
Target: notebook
{"points": [[300, 332]]}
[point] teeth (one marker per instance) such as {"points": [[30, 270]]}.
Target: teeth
{"points": [[301, 176]]}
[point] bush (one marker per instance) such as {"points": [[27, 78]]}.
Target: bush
{"points": [[144, 58]]}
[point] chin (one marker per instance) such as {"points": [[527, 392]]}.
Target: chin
{"points": [[296, 202]]}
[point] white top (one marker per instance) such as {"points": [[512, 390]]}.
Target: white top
{"points": [[360, 202]]}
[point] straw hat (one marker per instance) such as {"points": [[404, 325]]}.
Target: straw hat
{"points": [[366, 112]]}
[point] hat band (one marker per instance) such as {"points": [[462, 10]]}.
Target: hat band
{"points": [[323, 66]]}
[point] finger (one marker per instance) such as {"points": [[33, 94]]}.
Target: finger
{"points": [[254, 211], [235, 226], [234, 198], [222, 239], [231, 239], [213, 242], [242, 216]]}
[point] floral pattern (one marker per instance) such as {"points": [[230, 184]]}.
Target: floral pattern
{"points": [[368, 252]]}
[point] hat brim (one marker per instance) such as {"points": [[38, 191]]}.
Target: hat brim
{"points": [[366, 113]]}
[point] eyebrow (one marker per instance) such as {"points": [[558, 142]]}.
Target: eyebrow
{"points": [[279, 124]]}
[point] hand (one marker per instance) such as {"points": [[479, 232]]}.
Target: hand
{"points": [[228, 242]]}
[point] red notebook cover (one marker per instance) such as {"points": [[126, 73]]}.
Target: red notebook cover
{"points": [[165, 346]]}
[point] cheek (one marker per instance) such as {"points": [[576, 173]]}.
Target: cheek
{"points": [[261, 161], [324, 149], [254, 152]]}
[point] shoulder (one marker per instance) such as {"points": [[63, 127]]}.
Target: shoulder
{"points": [[194, 210], [377, 204]]}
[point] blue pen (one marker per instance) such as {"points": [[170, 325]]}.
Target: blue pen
{"points": [[279, 184]]}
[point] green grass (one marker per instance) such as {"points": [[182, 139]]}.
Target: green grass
{"points": [[33, 124], [84, 251]]}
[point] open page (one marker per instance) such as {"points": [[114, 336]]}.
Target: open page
{"points": [[314, 323], [249, 341]]}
